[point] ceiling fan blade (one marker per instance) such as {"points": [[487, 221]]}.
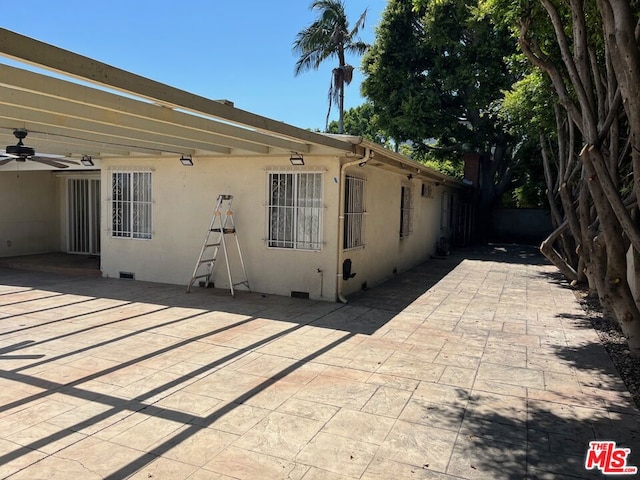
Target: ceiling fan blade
{"points": [[49, 161], [4, 161]]}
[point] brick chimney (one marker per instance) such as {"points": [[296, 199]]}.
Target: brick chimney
{"points": [[472, 168]]}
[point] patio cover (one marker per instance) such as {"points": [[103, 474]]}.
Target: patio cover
{"points": [[81, 106]]}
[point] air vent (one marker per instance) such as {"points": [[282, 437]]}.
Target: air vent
{"points": [[128, 275], [295, 294]]}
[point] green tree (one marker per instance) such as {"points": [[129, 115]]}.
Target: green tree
{"points": [[434, 74], [330, 36], [361, 121]]}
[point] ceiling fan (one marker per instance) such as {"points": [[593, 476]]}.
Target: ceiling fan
{"points": [[22, 153]]}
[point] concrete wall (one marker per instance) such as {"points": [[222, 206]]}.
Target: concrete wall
{"points": [[29, 213], [521, 225], [385, 253], [184, 199]]}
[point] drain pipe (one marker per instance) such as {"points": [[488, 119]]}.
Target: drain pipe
{"points": [[361, 161]]}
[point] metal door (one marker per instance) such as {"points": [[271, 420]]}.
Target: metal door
{"points": [[83, 196]]}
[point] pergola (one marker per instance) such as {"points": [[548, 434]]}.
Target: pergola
{"points": [[81, 106]]}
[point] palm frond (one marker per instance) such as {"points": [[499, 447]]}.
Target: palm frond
{"points": [[357, 48], [347, 74], [359, 24], [331, 98]]}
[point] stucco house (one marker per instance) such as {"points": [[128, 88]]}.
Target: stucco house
{"points": [[316, 215]]}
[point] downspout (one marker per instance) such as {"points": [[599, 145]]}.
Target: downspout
{"points": [[361, 161]]}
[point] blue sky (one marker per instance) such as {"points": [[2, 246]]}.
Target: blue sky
{"points": [[221, 49]]}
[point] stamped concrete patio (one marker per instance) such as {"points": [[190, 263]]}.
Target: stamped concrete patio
{"points": [[478, 366]]}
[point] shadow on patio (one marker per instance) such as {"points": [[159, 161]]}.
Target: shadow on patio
{"points": [[78, 339], [451, 367]]}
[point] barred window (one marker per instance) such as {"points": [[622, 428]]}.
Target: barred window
{"points": [[131, 204], [295, 210], [353, 212], [406, 206], [445, 211]]}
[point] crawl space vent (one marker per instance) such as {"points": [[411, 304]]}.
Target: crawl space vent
{"points": [[295, 294]]}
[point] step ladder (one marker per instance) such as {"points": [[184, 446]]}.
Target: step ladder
{"points": [[221, 226]]}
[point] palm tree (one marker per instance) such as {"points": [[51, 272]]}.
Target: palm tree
{"points": [[327, 37]]}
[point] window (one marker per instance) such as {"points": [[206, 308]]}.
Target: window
{"points": [[405, 212], [353, 212], [445, 211], [295, 210], [427, 190], [131, 204]]}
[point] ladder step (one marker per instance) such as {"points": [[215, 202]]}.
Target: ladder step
{"points": [[222, 223]]}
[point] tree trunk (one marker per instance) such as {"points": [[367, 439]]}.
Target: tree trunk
{"points": [[613, 288], [341, 108], [554, 257]]}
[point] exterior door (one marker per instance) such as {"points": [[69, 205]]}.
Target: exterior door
{"points": [[83, 196]]}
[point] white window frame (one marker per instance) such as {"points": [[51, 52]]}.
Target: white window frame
{"points": [[294, 220], [354, 212], [406, 210], [131, 204]]}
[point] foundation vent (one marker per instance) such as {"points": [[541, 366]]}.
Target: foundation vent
{"points": [[295, 294], [128, 275]]}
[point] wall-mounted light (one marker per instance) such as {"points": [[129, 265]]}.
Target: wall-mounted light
{"points": [[296, 159], [186, 160], [87, 161]]}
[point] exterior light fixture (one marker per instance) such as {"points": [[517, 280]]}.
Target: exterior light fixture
{"points": [[87, 161], [296, 159], [186, 160]]}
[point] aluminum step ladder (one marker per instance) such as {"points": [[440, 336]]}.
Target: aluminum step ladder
{"points": [[221, 226]]}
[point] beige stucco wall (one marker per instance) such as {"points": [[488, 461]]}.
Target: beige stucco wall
{"points": [[184, 198], [29, 213], [385, 252]]}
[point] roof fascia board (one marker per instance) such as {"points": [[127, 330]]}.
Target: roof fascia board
{"points": [[44, 55]]}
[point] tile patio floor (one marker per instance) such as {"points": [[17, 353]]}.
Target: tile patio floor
{"points": [[480, 366]]}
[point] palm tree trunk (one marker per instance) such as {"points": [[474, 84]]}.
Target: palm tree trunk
{"points": [[341, 107]]}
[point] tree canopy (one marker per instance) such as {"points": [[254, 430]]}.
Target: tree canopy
{"points": [[435, 75]]}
